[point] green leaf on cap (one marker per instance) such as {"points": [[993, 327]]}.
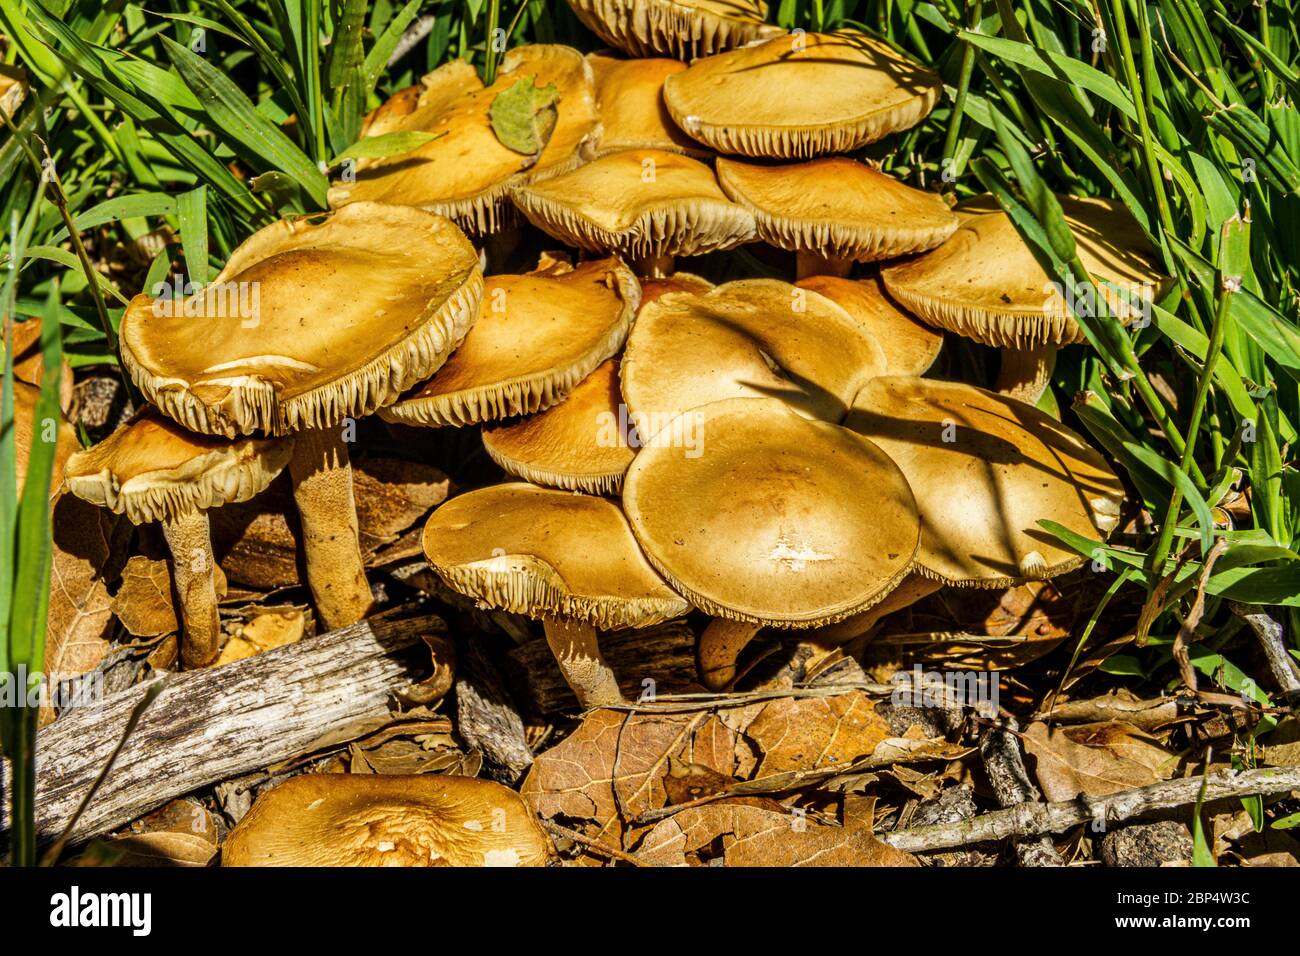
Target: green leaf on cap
{"points": [[523, 116]]}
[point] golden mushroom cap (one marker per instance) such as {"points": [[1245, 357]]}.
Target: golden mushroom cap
{"points": [[985, 468], [581, 444], [151, 469], [538, 336], [309, 323], [837, 207], [337, 819], [778, 520], [910, 347], [638, 203], [801, 95], [985, 284], [13, 88], [632, 111], [547, 553], [682, 29], [466, 174], [655, 288], [752, 338]]}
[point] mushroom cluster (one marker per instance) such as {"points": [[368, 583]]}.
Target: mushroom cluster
{"points": [[763, 452]]}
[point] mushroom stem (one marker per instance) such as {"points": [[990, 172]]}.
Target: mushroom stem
{"points": [[815, 264], [910, 590], [719, 646], [577, 652], [193, 573], [1026, 373], [322, 489], [653, 267]]}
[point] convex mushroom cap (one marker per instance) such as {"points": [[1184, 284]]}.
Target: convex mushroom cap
{"points": [[467, 173], [681, 29], [780, 521], [984, 282], [639, 203], [334, 819], [910, 346], [151, 469], [985, 469], [538, 336], [566, 558], [801, 95], [308, 323], [632, 111], [837, 208], [547, 553], [752, 338], [581, 444]]}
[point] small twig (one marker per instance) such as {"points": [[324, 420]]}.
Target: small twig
{"points": [[1182, 643], [1272, 639], [1029, 820], [602, 848], [412, 36]]}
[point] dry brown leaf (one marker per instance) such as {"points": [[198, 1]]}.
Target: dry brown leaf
{"points": [[757, 836], [162, 849], [813, 732], [143, 602], [1282, 746], [577, 779], [1095, 759], [76, 630], [275, 627]]}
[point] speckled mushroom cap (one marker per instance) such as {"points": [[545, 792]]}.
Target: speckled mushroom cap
{"points": [[837, 207], [780, 520], [682, 29], [151, 469], [801, 95], [466, 173], [638, 203], [547, 553], [538, 337], [985, 468], [346, 314], [632, 111], [581, 444], [910, 346], [344, 819], [752, 338], [985, 284]]}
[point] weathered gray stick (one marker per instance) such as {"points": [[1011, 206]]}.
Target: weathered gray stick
{"points": [[212, 724], [1000, 748], [1035, 819]]}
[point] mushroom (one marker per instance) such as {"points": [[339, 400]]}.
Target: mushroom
{"points": [[984, 283], [646, 205], [910, 347], [656, 288], [343, 819], [312, 323], [581, 444], [466, 173], [750, 338], [784, 522], [682, 29], [837, 211], [151, 469], [985, 468], [801, 95], [13, 88], [632, 111], [566, 558], [538, 337]]}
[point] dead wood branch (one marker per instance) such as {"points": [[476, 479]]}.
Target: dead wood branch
{"points": [[1037, 819], [216, 723]]}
